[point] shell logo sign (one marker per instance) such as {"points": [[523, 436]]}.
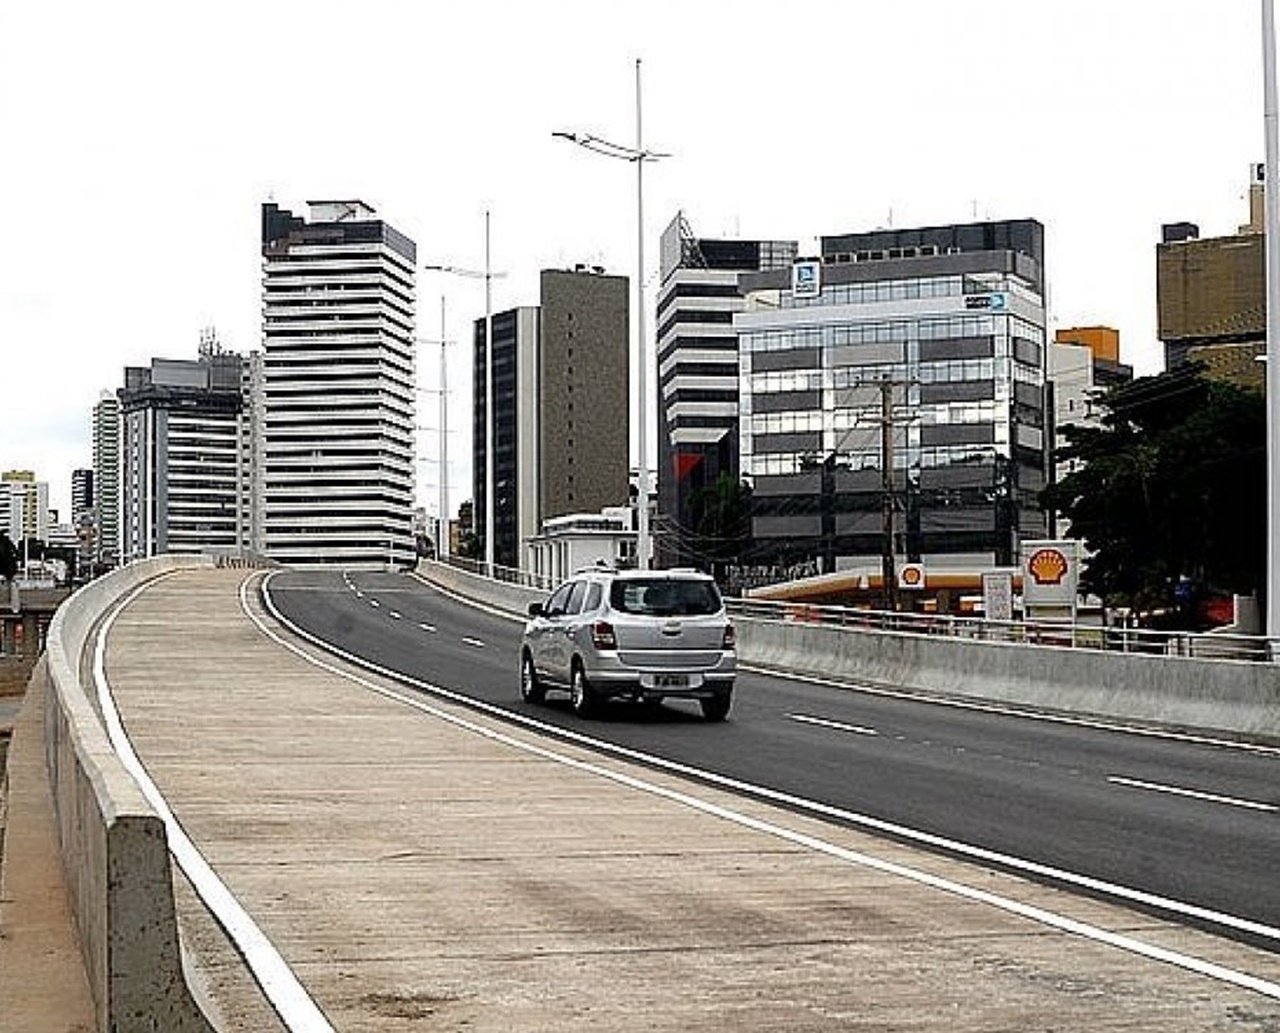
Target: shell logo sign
{"points": [[1047, 566], [911, 575]]}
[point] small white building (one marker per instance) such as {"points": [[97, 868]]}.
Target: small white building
{"points": [[576, 540]]}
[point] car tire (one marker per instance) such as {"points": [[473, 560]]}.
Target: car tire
{"points": [[531, 690], [716, 708], [581, 698]]}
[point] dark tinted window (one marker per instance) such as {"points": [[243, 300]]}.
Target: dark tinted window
{"points": [[555, 605], [664, 597], [593, 597], [576, 597]]}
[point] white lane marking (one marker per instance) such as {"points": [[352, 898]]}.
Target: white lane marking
{"points": [[393, 614], [374, 603], [359, 594], [1028, 911], [954, 846], [980, 706], [427, 627], [984, 707], [288, 997], [1195, 794], [839, 726], [473, 642]]}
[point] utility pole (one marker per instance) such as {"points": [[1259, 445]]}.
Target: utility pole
{"points": [[888, 568]]}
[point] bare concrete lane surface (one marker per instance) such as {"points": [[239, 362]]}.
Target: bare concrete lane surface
{"points": [[422, 867]]}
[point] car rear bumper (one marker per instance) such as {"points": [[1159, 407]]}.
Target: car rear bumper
{"points": [[616, 680]]}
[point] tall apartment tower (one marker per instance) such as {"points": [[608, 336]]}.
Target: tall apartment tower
{"points": [[893, 397], [338, 400], [560, 391], [182, 475], [698, 372], [106, 478], [81, 494]]}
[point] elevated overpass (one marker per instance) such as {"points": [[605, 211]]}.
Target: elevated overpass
{"points": [[396, 856]]}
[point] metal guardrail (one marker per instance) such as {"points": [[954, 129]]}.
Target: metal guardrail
{"points": [[1110, 638], [1202, 646]]}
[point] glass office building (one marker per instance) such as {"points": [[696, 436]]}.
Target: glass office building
{"points": [[920, 352]]}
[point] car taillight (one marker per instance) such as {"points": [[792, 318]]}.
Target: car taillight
{"points": [[730, 637], [602, 636]]}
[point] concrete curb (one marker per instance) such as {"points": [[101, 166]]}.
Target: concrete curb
{"points": [[113, 844]]}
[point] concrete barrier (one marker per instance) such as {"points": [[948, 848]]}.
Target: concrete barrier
{"points": [[1236, 698], [512, 599], [113, 843]]}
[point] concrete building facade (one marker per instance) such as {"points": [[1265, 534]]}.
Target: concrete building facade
{"points": [[106, 479], [560, 425], [182, 443], [1211, 292], [698, 373], [338, 399], [893, 400]]}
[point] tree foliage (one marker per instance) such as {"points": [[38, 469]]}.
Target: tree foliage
{"points": [[721, 515], [1172, 486]]}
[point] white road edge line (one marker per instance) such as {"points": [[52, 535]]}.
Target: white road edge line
{"points": [[1028, 911], [1195, 794], [839, 726], [954, 846], [288, 997]]}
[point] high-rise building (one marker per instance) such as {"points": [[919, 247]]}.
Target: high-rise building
{"points": [[698, 372], [81, 493], [560, 401], [338, 400], [1211, 292], [183, 478], [892, 398], [106, 479], [27, 511]]}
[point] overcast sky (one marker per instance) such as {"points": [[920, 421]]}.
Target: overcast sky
{"points": [[140, 140]]}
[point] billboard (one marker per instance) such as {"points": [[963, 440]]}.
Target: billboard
{"points": [[806, 279], [1050, 576]]}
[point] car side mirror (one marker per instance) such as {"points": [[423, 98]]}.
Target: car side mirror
{"points": [[536, 610]]}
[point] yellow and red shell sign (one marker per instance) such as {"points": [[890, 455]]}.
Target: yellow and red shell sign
{"points": [[911, 575], [1047, 566]]}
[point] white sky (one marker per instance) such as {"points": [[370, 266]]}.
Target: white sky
{"points": [[140, 138]]}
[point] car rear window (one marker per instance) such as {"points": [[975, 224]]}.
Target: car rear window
{"points": [[665, 597]]}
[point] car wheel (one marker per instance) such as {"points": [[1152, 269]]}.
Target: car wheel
{"points": [[531, 691], [581, 698], [716, 708]]}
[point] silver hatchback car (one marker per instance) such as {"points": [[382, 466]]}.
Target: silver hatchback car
{"points": [[642, 635]]}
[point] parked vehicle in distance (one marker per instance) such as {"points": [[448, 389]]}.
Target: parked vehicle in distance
{"points": [[642, 635]]}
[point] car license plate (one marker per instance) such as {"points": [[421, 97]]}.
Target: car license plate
{"points": [[667, 681]]}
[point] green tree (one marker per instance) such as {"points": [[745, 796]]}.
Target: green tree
{"points": [[1172, 486], [721, 515]]}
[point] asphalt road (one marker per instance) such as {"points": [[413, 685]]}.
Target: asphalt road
{"points": [[1196, 824]]}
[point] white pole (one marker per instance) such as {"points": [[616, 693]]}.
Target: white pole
{"points": [[643, 547], [442, 527], [488, 405], [1271, 193]]}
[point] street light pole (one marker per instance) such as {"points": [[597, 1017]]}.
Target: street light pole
{"points": [[442, 527], [1271, 195], [644, 546], [488, 404], [637, 154], [489, 276]]}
